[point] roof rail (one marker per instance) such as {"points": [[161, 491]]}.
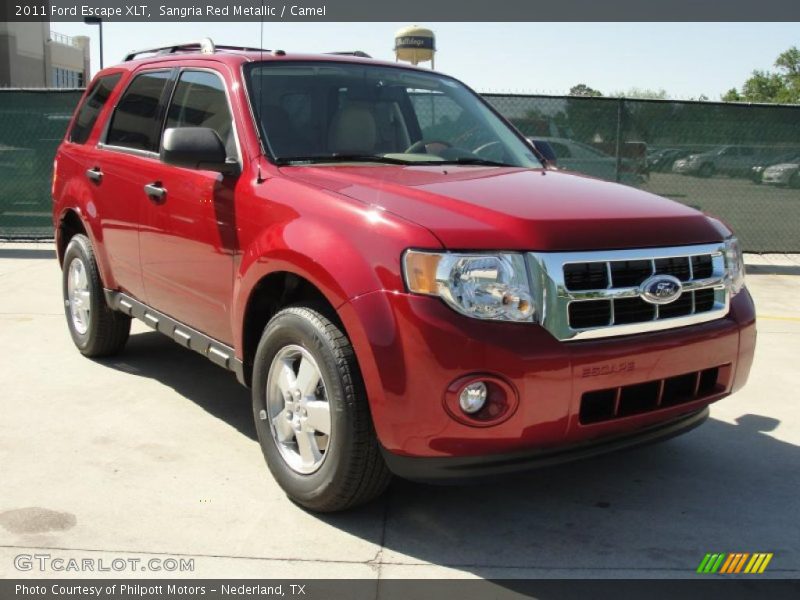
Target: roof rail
{"points": [[204, 46], [358, 53]]}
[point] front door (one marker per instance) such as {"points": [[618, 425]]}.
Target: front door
{"points": [[188, 231]]}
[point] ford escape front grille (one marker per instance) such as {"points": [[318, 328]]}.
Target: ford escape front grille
{"points": [[601, 294]]}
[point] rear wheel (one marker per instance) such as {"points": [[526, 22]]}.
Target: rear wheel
{"points": [[311, 413], [96, 330], [794, 181]]}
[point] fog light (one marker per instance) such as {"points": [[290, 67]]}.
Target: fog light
{"points": [[473, 397]]}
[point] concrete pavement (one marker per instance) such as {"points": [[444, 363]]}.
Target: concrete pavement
{"points": [[152, 454]]}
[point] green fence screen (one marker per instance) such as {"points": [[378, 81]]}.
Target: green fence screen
{"points": [[738, 162], [32, 124]]}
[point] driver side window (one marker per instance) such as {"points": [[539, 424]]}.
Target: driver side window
{"points": [[200, 101]]}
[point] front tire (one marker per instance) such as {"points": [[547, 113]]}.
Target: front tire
{"points": [[96, 330], [312, 415], [707, 170]]}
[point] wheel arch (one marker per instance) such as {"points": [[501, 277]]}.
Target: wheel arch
{"points": [[70, 223], [271, 293]]}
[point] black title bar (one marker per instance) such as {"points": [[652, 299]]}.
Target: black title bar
{"points": [[408, 10], [695, 588]]}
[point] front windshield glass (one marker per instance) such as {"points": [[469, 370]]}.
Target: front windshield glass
{"points": [[332, 112]]}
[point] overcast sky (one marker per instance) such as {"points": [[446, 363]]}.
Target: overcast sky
{"points": [[686, 59]]}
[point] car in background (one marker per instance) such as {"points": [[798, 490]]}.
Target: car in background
{"points": [[725, 160], [757, 170], [579, 157], [661, 160], [785, 173]]}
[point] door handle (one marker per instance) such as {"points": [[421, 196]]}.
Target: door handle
{"points": [[155, 191], [94, 174]]}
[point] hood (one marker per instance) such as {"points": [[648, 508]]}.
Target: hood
{"points": [[478, 208], [783, 166]]}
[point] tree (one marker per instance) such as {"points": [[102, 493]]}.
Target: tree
{"points": [[584, 90], [782, 86], [789, 61], [642, 93]]}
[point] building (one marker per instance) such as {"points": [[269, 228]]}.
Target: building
{"points": [[32, 56]]}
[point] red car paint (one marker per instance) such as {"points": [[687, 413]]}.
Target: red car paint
{"points": [[200, 256]]}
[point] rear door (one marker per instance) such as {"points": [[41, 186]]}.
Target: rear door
{"points": [[188, 234], [122, 164], [76, 154]]}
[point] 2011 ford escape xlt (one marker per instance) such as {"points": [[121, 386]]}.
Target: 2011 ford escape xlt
{"points": [[385, 261]]}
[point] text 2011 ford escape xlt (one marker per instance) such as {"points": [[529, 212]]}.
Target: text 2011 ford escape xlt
{"points": [[388, 265]]}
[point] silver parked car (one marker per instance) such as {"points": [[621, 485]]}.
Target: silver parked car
{"points": [[784, 173], [728, 160]]}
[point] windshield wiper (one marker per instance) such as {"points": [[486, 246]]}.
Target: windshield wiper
{"points": [[338, 158], [472, 161]]}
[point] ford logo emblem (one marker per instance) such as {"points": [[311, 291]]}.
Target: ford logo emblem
{"points": [[661, 289]]}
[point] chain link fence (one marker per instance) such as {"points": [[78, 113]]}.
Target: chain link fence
{"points": [[738, 162], [32, 124]]}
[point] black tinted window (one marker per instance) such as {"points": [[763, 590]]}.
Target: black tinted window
{"points": [[200, 101], [135, 123], [545, 149], [91, 107]]}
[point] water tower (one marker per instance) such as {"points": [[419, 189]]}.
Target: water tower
{"points": [[415, 44]]}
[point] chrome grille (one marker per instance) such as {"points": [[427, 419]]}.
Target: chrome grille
{"points": [[597, 294]]}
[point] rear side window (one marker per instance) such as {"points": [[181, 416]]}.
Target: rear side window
{"points": [[90, 109], [136, 121]]}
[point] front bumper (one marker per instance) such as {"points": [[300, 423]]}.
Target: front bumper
{"points": [[470, 468], [777, 177], [412, 348], [685, 168]]}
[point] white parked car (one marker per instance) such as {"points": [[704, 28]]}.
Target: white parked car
{"points": [[785, 173]]}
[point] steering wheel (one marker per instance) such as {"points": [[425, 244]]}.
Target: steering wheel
{"points": [[421, 146], [485, 147]]}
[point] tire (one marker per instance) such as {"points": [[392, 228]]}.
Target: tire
{"points": [[794, 181], [706, 170], [347, 468], [99, 331]]}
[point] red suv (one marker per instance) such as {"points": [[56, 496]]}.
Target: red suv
{"points": [[385, 262]]}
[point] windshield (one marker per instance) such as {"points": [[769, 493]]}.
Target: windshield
{"points": [[332, 112]]}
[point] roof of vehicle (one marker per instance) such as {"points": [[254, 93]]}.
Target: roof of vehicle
{"points": [[237, 55]]}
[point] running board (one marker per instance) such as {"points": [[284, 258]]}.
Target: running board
{"points": [[215, 351]]}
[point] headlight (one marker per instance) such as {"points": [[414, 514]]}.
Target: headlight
{"points": [[483, 286], [734, 265]]}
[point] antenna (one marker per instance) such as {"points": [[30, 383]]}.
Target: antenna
{"points": [[260, 177]]}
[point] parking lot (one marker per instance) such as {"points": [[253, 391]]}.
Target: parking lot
{"points": [[763, 216], [153, 454]]}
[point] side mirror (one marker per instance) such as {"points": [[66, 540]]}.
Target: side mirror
{"points": [[196, 148]]}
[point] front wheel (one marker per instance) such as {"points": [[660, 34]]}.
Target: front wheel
{"points": [[707, 170], [96, 330], [311, 413]]}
